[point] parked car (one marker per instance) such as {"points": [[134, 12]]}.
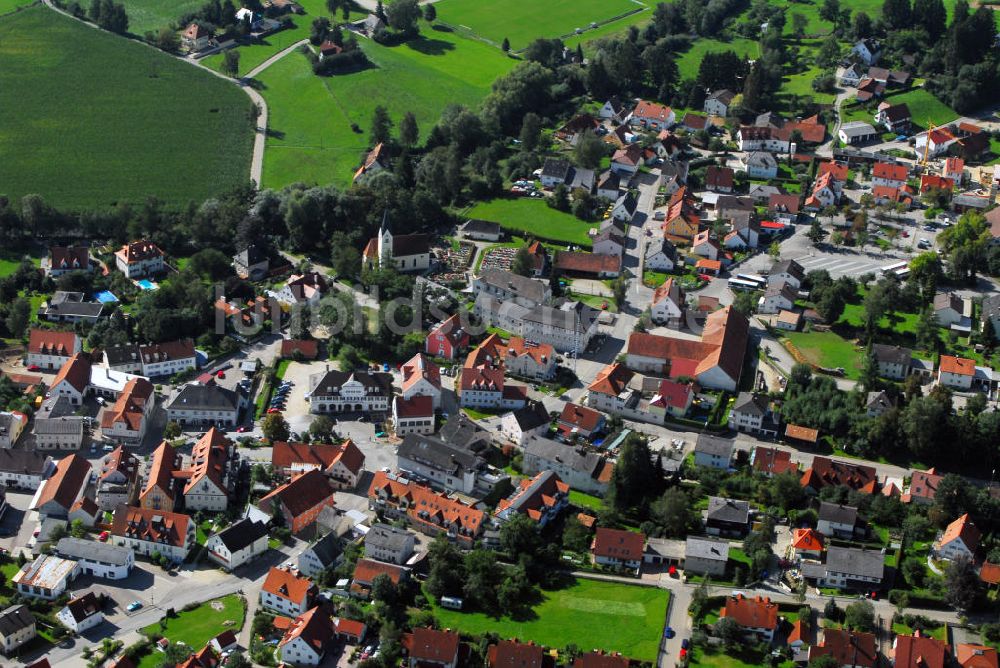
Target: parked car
{"points": [[133, 606]]}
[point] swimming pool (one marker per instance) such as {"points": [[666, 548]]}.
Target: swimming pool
{"points": [[147, 284], [105, 297]]}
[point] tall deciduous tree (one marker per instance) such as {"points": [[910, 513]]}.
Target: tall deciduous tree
{"points": [[381, 126], [408, 130]]}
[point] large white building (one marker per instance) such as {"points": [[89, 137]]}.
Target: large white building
{"points": [[407, 252], [46, 577], [349, 392], [205, 405], [140, 258], [238, 544], [102, 560]]}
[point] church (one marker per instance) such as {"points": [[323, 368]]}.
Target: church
{"points": [[408, 252]]}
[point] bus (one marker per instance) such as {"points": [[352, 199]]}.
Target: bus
{"points": [[743, 284], [753, 278], [896, 268]]}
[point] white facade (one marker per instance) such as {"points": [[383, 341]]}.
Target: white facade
{"points": [[659, 261], [283, 605], [66, 618], [297, 652], [761, 165], [220, 554], [666, 311]]}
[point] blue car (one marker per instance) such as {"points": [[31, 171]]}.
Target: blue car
{"points": [[685, 644], [668, 633], [133, 606]]}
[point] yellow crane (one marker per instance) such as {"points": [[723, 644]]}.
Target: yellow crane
{"points": [[927, 141]]}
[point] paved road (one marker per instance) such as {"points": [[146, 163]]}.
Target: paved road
{"points": [[275, 58]]}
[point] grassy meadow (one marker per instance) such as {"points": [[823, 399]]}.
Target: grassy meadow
{"points": [[146, 15], [311, 139], [134, 122], [534, 216]]}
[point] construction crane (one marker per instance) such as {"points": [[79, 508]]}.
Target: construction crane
{"points": [[927, 141]]}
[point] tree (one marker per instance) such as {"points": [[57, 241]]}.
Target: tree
{"points": [[403, 15], [744, 302], [446, 569], [175, 653], [274, 427], [815, 233], [531, 128], [381, 126], [589, 150], [519, 536], [824, 661], [862, 26], [729, 632], [753, 88], [914, 569], [321, 428], [799, 23], [860, 616], [927, 330], [560, 198], [634, 482], [505, 45], [931, 16], [77, 528], [430, 13], [774, 250], [18, 317], [832, 611], [380, 12], [172, 430], [238, 660], [672, 513], [408, 130], [896, 14], [619, 291], [962, 585], [483, 576], [576, 536], [830, 10], [167, 40], [384, 590], [523, 263]]}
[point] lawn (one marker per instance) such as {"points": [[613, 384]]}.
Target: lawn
{"points": [[612, 29], [196, 627], [146, 15], [829, 350], [581, 500], [534, 216], [311, 139], [7, 6], [654, 279], [11, 260], [925, 108], [521, 21], [589, 614], [150, 126], [720, 659], [937, 632], [690, 60], [901, 323]]}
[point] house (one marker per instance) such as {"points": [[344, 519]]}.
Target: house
{"points": [[160, 491], [748, 412], [431, 648], [652, 116], [24, 469], [868, 50], [407, 252], [956, 372], [848, 568], [626, 161], [851, 75], [531, 420], [481, 230], [668, 304], [583, 470], [857, 132], [694, 122], [717, 102], [542, 498], [376, 160], [47, 577], [895, 117], [336, 391], [609, 185], [73, 379], [71, 307], [482, 382], [777, 298], [12, 424], [889, 175], [252, 263], [713, 452], [84, 510], [960, 540], [705, 246], [719, 179], [756, 617], [81, 613], [877, 403], [932, 182], [64, 488], [613, 110], [428, 511], [935, 142], [367, 570], [920, 651], [195, 37], [976, 656], [389, 544], [210, 477], [126, 420], [727, 517], [618, 549], [238, 544], [441, 464], [991, 312], [325, 553], [837, 520], [706, 556], [413, 416], [954, 169], [949, 309], [527, 359], [895, 78], [579, 421], [555, 171], [139, 259], [664, 553], [351, 631], [299, 501], [286, 593], [510, 287], [575, 263], [923, 487], [514, 654], [168, 358], [304, 642], [773, 134], [828, 472], [671, 399], [448, 339], [17, 627], [147, 531], [567, 328], [661, 255], [302, 289], [624, 208], [850, 649], [825, 192], [63, 260], [682, 220], [422, 378], [608, 242], [102, 560], [49, 349], [783, 208], [760, 165], [199, 405], [772, 462], [786, 271], [893, 361], [788, 320], [299, 349], [807, 543], [57, 425]]}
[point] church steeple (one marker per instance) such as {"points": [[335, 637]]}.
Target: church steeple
{"points": [[384, 238]]}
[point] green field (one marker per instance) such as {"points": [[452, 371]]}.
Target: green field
{"points": [[145, 15], [582, 500], [7, 6], [133, 122], [196, 627], [613, 29], [690, 60], [925, 107], [310, 136], [521, 21], [534, 217], [829, 350], [588, 614]]}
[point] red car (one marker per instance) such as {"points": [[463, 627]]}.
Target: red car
{"points": [[103, 536], [273, 410], [705, 277], [220, 374], [241, 430], [34, 367]]}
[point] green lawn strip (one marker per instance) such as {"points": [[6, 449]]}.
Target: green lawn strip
{"points": [[583, 500], [689, 61], [534, 216], [589, 613], [611, 29], [595, 301], [10, 260], [522, 21], [311, 138], [477, 414], [128, 135], [654, 279], [938, 632], [282, 369], [253, 54], [717, 658], [196, 627], [829, 350]]}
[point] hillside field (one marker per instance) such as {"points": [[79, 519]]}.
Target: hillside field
{"points": [[144, 15], [310, 137], [101, 119], [521, 21]]}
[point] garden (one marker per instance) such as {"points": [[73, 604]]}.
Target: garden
{"points": [[194, 626]]}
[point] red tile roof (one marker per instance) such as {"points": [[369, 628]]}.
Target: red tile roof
{"points": [[581, 417], [932, 181], [541, 497], [825, 471], [64, 485], [513, 654], [541, 353], [137, 251], [920, 652], [209, 459], [752, 613], [809, 540], [990, 573], [673, 395], [151, 525], [367, 570], [73, 257], [315, 627], [961, 528], [587, 263], [611, 380], [285, 584], [598, 659], [76, 372], [959, 366], [161, 473], [306, 348], [414, 407], [849, 648], [618, 544], [889, 171], [976, 656], [718, 177], [286, 455], [924, 484], [837, 170], [800, 433], [48, 342], [130, 406], [426, 644], [420, 368], [652, 111], [773, 460], [425, 506], [302, 494]]}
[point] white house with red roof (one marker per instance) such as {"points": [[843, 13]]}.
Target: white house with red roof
{"points": [[541, 498], [196, 37], [48, 349], [954, 169], [413, 416], [126, 420], [341, 463], [141, 258], [62, 260], [448, 339], [528, 359], [668, 304], [652, 115], [422, 378], [286, 593], [671, 399], [482, 381], [576, 420], [304, 642], [807, 543], [618, 548], [889, 175], [956, 372], [757, 616], [959, 540], [210, 475], [431, 648]]}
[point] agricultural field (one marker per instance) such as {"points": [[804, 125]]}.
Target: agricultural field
{"points": [[147, 126], [152, 15], [588, 613], [311, 138], [522, 21], [7, 6], [534, 216]]}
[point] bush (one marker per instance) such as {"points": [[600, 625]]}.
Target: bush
{"points": [[349, 61]]}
